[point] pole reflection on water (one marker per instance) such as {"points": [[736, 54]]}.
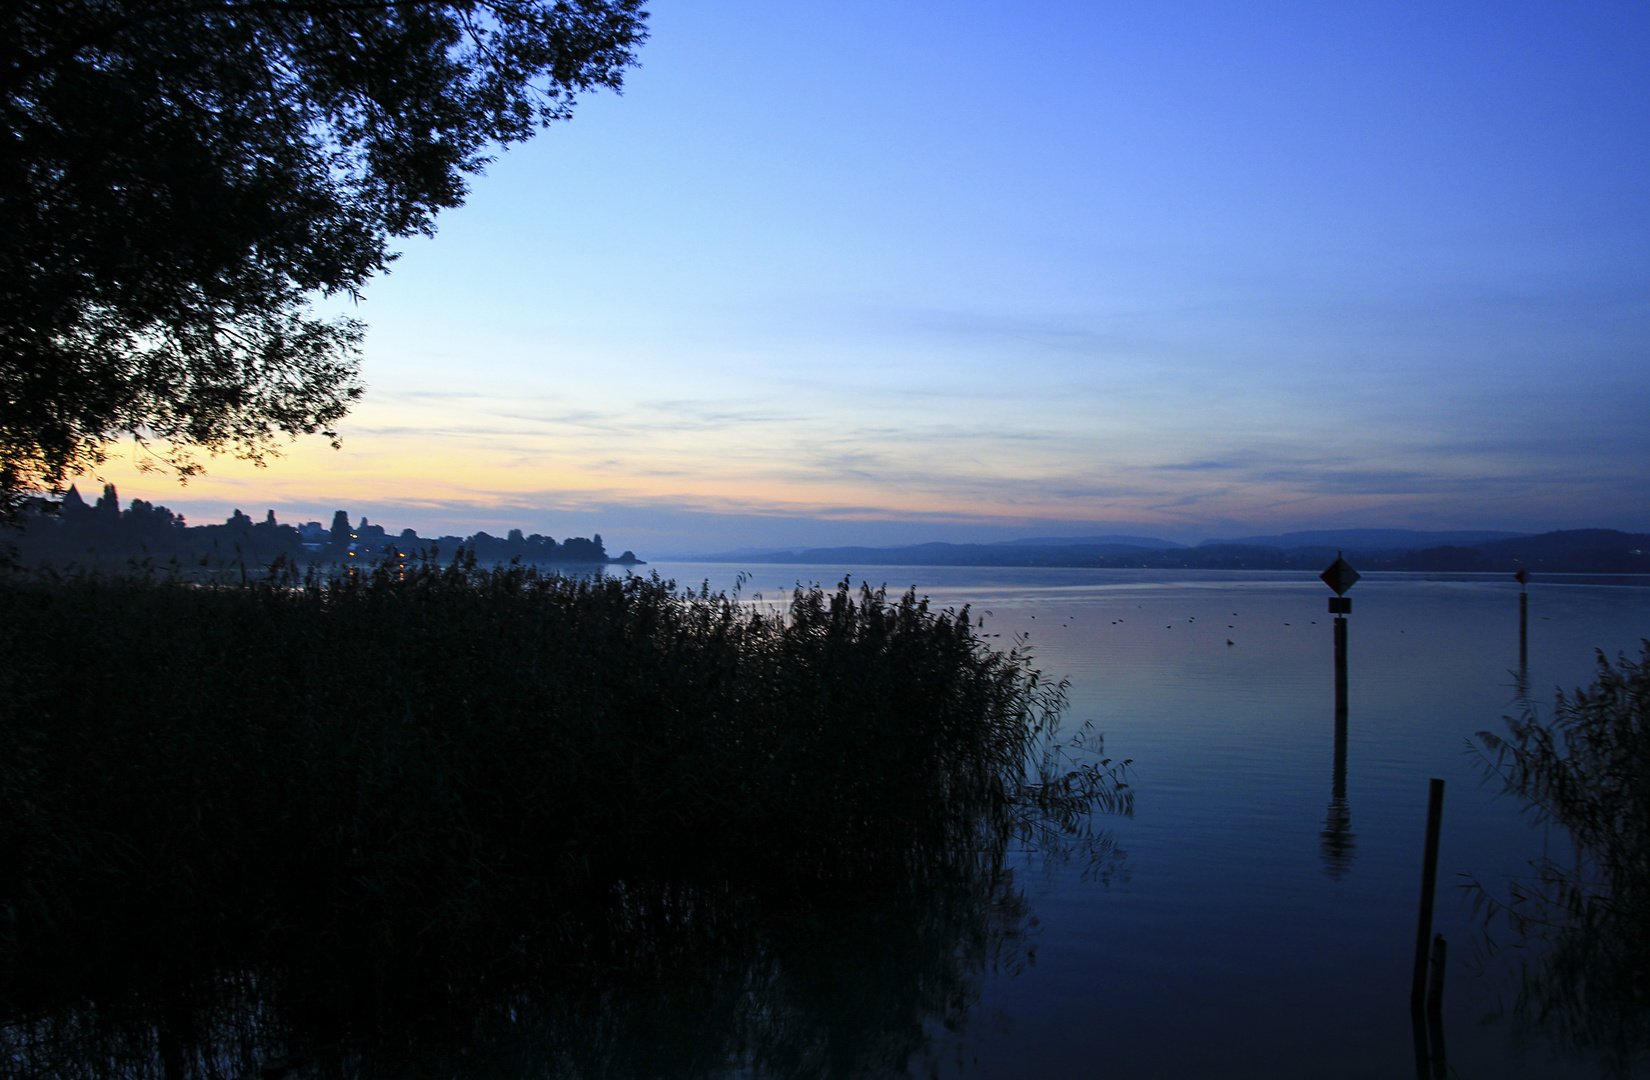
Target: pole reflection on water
{"points": [[1427, 1032], [1337, 836]]}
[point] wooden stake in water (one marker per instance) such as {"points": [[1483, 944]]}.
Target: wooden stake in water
{"points": [[1429, 883]]}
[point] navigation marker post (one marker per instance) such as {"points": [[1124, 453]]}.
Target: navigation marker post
{"points": [[1340, 576], [1337, 833]]}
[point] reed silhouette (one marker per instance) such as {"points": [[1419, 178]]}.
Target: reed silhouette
{"points": [[446, 819], [1581, 921]]}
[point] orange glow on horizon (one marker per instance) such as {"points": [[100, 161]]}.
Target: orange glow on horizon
{"points": [[449, 478]]}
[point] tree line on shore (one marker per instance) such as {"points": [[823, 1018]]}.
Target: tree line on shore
{"points": [[102, 533]]}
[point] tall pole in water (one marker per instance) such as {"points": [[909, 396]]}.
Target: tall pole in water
{"points": [[1340, 576], [1337, 834], [1340, 665], [1523, 579]]}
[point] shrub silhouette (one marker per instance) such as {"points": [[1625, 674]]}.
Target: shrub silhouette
{"points": [[1582, 921]]}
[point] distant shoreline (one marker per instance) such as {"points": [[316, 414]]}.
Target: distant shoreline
{"points": [[74, 532], [1574, 551]]}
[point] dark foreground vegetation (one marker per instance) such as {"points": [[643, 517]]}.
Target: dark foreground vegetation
{"points": [[1581, 923], [460, 821]]}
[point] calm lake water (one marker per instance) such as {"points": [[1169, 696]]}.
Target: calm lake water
{"points": [[1233, 937]]}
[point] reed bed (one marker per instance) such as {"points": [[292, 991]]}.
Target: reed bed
{"points": [[467, 779]]}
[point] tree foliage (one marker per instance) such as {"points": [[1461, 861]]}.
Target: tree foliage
{"points": [[182, 177]]}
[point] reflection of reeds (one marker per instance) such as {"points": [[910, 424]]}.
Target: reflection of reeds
{"points": [[493, 812], [1585, 920]]}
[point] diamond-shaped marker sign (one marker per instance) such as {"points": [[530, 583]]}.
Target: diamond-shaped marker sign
{"points": [[1340, 576], [1521, 575]]}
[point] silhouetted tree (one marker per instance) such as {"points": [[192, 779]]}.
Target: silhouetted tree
{"points": [[108, 506], [341, 534], [180, 178], [579, 550], [149, 523]]}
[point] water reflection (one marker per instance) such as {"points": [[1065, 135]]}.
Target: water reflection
{"points": [[1580, 924], [832, 974], [1338, 839], [1431, 1056], [819, 963]]}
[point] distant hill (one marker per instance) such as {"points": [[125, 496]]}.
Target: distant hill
{"points": [[937, 554], [1569, 551], [1150, 543], [1367, 539], [1566, 542], [1572, 551], [737, 553]]}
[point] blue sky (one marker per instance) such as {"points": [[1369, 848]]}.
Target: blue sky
{"points": [[913, 271]]}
